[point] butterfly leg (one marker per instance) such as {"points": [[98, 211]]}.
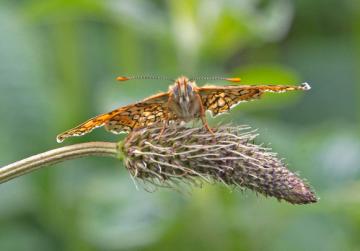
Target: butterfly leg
{"points": [[203, 119], [163, 129], [166, 121], [202, 116]]}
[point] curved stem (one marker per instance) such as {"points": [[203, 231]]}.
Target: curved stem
{"points": [[21, 167]]}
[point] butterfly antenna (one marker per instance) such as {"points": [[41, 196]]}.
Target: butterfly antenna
{"points": [[234, 80], [124, 78]]}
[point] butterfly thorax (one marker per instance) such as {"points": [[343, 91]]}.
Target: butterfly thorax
{"points": [[184, 101]]}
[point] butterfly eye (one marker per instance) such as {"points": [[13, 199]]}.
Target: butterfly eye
{"points": [[189, 88], [176, 91]]}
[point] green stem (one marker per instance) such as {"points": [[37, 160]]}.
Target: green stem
{"points": [[21, 167]]}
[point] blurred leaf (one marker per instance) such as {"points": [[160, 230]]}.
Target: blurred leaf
{"points": [[23, 106]]}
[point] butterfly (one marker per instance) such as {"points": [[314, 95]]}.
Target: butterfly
{"points": [[184, 101]]}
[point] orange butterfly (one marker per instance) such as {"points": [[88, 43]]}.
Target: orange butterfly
{"points": [[183, 101]]}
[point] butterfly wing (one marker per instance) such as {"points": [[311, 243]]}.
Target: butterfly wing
{"points": [[137, 116], [220, 99], [124, 119]]}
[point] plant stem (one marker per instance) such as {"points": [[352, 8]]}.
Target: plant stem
{"points": [[21, 167]]}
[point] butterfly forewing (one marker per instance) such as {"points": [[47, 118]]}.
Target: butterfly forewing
{"points": [[124, 119], [136, 116], [220, 99]]}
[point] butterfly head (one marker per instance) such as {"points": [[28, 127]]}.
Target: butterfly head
{"points": [[183, 90]]}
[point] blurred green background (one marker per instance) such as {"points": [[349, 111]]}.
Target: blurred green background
{"points": [[58, 63]]}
